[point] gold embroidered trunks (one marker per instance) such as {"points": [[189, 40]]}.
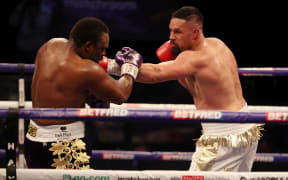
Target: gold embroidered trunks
{"points": [[70, 155]]}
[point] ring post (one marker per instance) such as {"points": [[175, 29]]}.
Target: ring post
{"points": [[11, 134], [21, 123]]}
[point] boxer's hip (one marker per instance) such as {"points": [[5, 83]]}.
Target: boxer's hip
{"points": [[230, 134]]}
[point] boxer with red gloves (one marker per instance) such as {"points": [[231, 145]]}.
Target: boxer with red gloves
{"points": [[165, 51], [207, 68]]}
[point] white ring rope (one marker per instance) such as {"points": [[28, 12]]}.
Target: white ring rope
{"points": [[52, 174]]}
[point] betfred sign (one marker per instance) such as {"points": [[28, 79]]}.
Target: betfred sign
{"points": [[192, 177], [276, 116], [188, 114]]}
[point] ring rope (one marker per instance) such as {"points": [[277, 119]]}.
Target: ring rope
{"points": [[167, 156], [261, 71], [14, 68], [56, 174], [174, 156], [145, 115], [28, 104]]}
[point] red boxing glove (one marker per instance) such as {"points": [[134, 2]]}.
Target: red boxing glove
{"points": [[110, 66], [104, 63], [164, 52]]}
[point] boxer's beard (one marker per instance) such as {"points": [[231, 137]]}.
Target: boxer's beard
{"points": [[175, 50]]}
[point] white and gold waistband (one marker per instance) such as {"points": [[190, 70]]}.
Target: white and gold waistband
{"points": [[245, 138], [53, 133]]}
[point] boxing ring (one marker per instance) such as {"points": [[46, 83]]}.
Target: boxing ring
{"points": [[16, 111]]}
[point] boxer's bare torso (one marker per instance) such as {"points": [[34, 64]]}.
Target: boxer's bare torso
{"points": [[209, 73], [206, 67], [215, 83], [62, 79]]}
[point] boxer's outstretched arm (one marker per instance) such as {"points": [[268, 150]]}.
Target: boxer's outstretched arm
{"points": [[185, 64]]}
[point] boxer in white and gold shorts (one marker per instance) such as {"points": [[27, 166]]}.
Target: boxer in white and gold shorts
{"points": [[226, 147], [207, 68]]}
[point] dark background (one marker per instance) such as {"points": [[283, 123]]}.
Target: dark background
{"points": [[255, 32]]}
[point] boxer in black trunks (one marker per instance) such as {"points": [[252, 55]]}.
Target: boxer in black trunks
{"points": [[66, 75]]}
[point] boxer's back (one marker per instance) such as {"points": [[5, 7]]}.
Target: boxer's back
{"points": [[57, 79]]}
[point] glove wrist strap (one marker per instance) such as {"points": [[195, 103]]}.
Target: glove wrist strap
{"points": [[129, 69]]}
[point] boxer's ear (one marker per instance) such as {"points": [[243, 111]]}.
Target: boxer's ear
{"points": [[88, 47], [196, 33]]}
